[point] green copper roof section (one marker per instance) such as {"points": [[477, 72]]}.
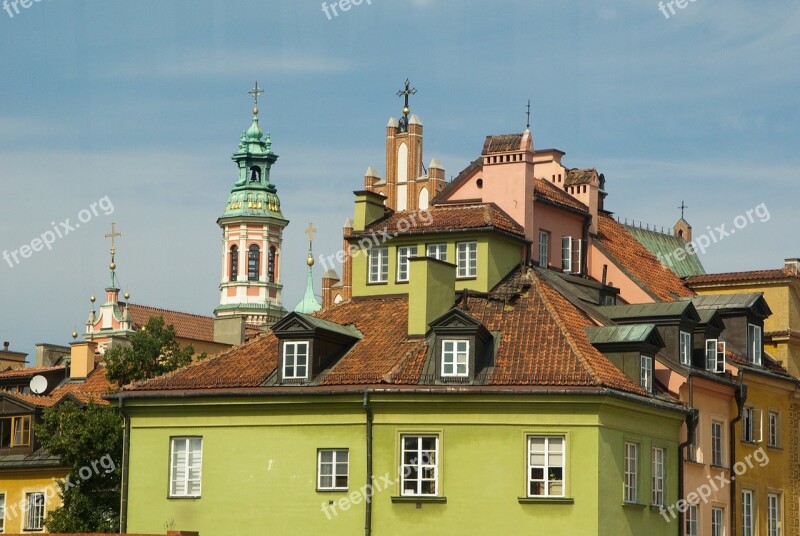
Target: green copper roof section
{"points": [[664, 246], [253, 194], [349, 330], [309, 303], [620, 334]]}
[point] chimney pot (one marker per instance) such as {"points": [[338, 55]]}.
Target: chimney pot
{"points": [[6, 344], [793, 266]]}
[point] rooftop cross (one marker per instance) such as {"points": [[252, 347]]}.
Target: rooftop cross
{"points": [[112, 235], [255, 92], [528, 113], [683, 207], [310, 232], [406, 92]]}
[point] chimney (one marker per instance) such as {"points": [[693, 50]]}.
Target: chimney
{"points": [[369, 208], [229, 330], [6, 345], [81, 359], [431, 292], [790, 265], [329, 278]]}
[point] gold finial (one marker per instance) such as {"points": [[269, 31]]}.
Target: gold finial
{"points": [[127, 295], [74, 334], [92, 298], [255, 92], [113, 235], [310, 260]]}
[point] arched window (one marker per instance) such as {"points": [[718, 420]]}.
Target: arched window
{"points": [[271, 264], [253, 263], [234, 263], [255, 174]]}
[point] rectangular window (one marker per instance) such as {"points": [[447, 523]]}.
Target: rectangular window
{"points": [[546, 466], [754, 344], [716, 444], [717, 522], [773, 515], [403, 254], [378, 265], [658, 476], [332, 469], [747, 513], [295, 360], [420, 465], [34, 508], [694, 449], [467, 257], [686, 348], [544, 248], [646, 373], [751, 425], [631, 488], [773, 439], [715, 356], [22, 431], [566, 254], [437, 251], [691, 520], [455, 358], [186, 466], [2, 512]]}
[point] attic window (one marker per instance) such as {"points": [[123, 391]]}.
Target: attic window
{"points": [[646, 373], [295, 360], [685, 348], [15, 431], [754, 344], [455, 358]]}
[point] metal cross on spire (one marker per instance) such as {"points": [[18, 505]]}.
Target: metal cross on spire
{"points": [[255, 92], [406, 92], [113, 235], [528, 113], [310, 231], [682, 208]]}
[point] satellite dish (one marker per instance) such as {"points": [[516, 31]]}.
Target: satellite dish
{"points": [[38, 384]]}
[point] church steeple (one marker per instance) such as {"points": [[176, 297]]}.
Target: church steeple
{"points": [[309, 303], [252, 227]]}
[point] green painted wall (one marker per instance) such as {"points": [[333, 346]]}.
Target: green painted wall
{"points": [[497, 256], [259, 464]]}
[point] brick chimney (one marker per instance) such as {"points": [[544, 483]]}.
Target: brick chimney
{"points": [[792, 266]]}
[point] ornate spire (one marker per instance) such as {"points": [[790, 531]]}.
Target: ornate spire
{"points": [[406, 110], [113, 265], [309, 303]]}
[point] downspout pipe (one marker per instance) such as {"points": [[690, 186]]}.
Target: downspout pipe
{"points": [[691, 428], [126, 447], [368, 501], [740, 396]]}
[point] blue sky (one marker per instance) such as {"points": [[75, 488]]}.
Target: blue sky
{"points": [[143, 102]]}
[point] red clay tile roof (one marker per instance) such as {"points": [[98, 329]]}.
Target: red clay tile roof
{"points": [[502, 143], [552, 194], [187, 325], [643, 267], [33, 400], [29, 372], [467, 216], [736, 277], [580, 176], [543, 343], [95, 387], [767, 362]]}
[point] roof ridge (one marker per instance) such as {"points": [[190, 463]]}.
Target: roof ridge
{"points": [[167, 310]]}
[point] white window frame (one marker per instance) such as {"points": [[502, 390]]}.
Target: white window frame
{"points": [[631, 482], [436, 251], [752, 425], [339, 457], [773, 429], [453, 356], [755, 344], [646, 373], [467, 259], [378, 265], [34, 512], [685, 348], [566, 254], [544, 248], [691, 520], [717, 438], [295, 366], [192, 472], [548, 454], [715, 356], [748, 513], [659, 465], [416, 463], [774, 524], [404, 253], [717, 521], [2, 512]]}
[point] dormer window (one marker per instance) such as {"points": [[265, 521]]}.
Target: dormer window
{"points": [[754, 344], [15, 431], [685, 350], [715, 356], [455, 358], [295, 360], [646, 373]]}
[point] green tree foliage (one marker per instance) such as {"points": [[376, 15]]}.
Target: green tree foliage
{"points": [[153, 351], [88, 439]]}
